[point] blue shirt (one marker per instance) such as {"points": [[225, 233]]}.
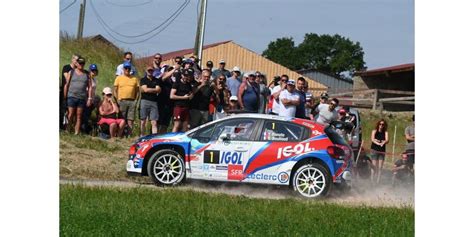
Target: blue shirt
{"points": [[300, 110], [233, 85]]}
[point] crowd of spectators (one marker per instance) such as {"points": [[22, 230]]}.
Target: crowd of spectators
{"points": [[178, 97]]}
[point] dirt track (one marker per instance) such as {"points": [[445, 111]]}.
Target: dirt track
{"points": [[363, 192]]}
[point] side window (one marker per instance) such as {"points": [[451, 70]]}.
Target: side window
{"points": [[282, 131], [204, 135], [239, 129]]}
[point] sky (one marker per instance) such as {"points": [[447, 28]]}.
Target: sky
{"points": [[384, 28]]}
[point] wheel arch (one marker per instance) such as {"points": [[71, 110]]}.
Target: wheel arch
{"points": [[306, 160], [156, 148]]}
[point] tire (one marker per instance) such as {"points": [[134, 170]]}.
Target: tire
{"points": [[311, 180], [166, 168]]}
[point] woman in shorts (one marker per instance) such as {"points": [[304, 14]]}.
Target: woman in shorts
{"points": [[109, 113], [379, 139]]}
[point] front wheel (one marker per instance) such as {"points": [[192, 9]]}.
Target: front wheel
{"points": [[311, 180], [166, 167]]}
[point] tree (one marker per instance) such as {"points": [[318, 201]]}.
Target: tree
{"points": [[283, 51], [332, 54]]}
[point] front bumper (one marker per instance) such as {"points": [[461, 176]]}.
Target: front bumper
{"points": [[131, 168]]}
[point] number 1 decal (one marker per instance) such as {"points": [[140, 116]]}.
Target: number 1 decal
{"points": [[211, 157]]}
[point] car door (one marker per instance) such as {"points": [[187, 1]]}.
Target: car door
{"points": [[276, 141], [229, 149]]}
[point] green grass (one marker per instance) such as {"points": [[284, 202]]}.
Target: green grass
{"points": [[101, 211]]}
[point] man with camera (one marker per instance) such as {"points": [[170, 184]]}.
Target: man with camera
{"points": [[276, 94], [203, 93]]}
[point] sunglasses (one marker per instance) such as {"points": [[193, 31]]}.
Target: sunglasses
{"points": [[333, 104], [126, 68], [150, 71], [157, 58], [128, 59], [108, 95], [383, 124]]}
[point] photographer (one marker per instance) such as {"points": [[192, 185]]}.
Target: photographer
{"points": [[276, 94], [199, 114]]}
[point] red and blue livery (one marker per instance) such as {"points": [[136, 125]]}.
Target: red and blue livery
{"points": [[248, 148]]}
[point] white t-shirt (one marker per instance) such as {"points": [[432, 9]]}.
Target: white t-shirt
{"points": [[276, 104], [288, 110], [325, 116]]}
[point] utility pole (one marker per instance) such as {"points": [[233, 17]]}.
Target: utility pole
{"points": [[80, 27], [200, 31]]}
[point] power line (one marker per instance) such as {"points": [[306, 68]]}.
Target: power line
{"points": [[133, 5], [139, 35], [171, 19], [68, 6]]}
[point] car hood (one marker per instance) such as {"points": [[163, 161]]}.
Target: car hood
{"points": [[171, 135]]}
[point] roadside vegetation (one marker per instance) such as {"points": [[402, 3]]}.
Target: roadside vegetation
{"points": [[106, 211]]}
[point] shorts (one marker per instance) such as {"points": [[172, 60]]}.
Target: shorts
{"points": [[378, 155], [127, 108], [411, 156], [181, 113], [165, 113], [110, 121], [198, 117], [73, 102], [148, 109]]}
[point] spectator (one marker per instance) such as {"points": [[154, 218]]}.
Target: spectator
{"points": [[127, 57], [126, 89], [327, 112], [379, 139], [289, 100], [62, 105], [196, 67], [157, 68], [233, 103], [110, 114], [224, 95], [300, 108], [199, 114], [402, 168], [276, 94], [210, 66], [181, 93], [264, 93], [410, 136], [249, 93], [309, 102], [221, 70], [165, 104], [233, 82], [78, 92], [150, 88], [93, 73]]}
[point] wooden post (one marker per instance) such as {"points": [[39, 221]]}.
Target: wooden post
{"points": [[393, 145], [376, 95]]}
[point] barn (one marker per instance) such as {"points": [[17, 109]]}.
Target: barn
{"points": [[236, 55]]}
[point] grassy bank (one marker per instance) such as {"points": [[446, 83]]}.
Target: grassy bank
{"points": [[100, 211]]}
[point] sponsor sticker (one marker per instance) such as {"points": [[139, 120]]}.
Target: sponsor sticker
{"points": [[221, 167], [231, 157], [287, 151], [235, 172], [283, 177]]}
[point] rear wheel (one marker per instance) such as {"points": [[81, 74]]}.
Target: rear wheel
{"points": [[166, 167], [311, 180]]}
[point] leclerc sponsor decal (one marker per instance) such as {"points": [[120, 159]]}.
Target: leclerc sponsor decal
{"points": [[287, 151], [235, 172], [282, 177]]}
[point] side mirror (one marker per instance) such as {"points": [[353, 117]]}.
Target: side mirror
{"points": [[224, 137]]}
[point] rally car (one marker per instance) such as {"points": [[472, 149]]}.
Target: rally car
{"points": [[247, 148]]}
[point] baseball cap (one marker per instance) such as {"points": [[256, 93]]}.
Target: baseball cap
{"points": [[209, 63], [188, 72], [93, 67], [233, 98], [150, 68], [291, 82], [342, 111], [81, 60], [222, 61], [236, 69], [127, 64], [107, 90], [324, 95]]}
